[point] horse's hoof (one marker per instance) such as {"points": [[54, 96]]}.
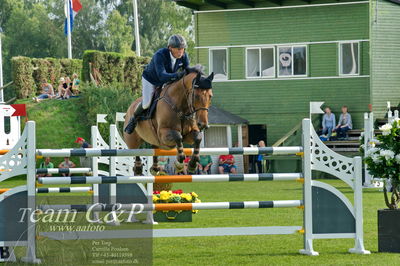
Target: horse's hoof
{"points": [[179, 167], [155, 172]]}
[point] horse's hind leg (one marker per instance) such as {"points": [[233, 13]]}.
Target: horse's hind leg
{"points": [[138, 168], [133, 141], [155, 170]]}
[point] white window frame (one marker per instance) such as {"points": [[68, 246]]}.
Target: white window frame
{"points": [[340, 58], [260, 63], [277, 61], [211, 65]]}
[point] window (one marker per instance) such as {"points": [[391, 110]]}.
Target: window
{"points": [[218, 63], [260, 62], [292, 61], [349, 58]]}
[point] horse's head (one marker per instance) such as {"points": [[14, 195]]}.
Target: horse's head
{"points": [[202, 91]]}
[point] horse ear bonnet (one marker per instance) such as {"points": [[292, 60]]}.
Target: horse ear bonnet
{"points": [[203, 83]]}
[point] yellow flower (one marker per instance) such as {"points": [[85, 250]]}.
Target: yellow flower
{"points": [[164, 195], [195, 195], [197, 201], [186, 196], [155, 198]]}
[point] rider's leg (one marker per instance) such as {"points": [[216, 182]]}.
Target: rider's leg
{"points": [[147, 92]]}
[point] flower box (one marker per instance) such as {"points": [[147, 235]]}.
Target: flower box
{"points": [[172, 216], [176, 196], [388, 230]]}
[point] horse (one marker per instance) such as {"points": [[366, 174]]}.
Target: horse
{"points": [[181, 114]]}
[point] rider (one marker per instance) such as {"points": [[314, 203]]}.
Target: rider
{"points": [[167, 64]]}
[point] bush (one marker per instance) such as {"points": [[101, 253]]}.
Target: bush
{"points": [[28, 73], [114, 68], [106, 100]]}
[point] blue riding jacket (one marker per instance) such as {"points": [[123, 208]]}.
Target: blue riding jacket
{"points": [[160, 71]]}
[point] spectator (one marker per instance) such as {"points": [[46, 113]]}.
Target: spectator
{"points": [[328, 122], [83, 143], [84, 161], [163, 164], [46, 93], [68, 88], [185, 165], [227, 164], [204, 165], [66, 164], [45, 164], [75, 84], [61, 89], [344, 125], [260, 158]]}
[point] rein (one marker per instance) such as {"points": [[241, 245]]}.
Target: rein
{"points": [[190, 100]]}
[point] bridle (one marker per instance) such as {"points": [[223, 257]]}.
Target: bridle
{"points": [[190, 100]]}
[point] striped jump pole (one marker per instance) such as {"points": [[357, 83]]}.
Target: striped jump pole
{"points": [[63, 171], [2, 152], [64, 190], [168, 179], [294, 150], [177, 206]]}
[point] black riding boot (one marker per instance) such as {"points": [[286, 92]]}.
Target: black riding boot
{"points": [[132, 123]]}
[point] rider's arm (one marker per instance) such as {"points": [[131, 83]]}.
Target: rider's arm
{"points": [[162, 74]]}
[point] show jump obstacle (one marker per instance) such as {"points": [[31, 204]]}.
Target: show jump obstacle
{"points": [[328, 214]]}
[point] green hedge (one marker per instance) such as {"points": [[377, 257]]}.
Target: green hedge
{"points": [[106, 100], [114, 68], [28, 73]]}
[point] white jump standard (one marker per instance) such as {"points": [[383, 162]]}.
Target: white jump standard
{"points": [[328, 214]]}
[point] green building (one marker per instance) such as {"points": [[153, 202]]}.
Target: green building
{"points": [[272, 57]]}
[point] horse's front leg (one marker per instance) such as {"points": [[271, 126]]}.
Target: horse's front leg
{"points": [[138, 168], [155, 170], [170, 138], [192, 166]]}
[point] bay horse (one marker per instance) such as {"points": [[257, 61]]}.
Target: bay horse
{"points": [[181, 113]]}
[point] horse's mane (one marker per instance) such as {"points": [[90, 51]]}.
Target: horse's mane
{"points": [[195, 69]]}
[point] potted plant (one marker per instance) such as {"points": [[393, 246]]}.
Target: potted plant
{"points": [[176, 196], [383, 161]]}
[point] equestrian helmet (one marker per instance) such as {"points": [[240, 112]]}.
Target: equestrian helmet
{"points": [[177, 41]]}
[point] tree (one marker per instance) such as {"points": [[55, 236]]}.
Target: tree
{"points": [[118, 34]]}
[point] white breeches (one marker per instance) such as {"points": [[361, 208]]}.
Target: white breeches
{"points": [[147, 93]]}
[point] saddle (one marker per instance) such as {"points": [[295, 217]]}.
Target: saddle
{"points": [[149, 112]]}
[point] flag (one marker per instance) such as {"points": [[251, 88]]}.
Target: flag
{"points": [[315, 108], [101, 118], [74, 7], [20, 109]]}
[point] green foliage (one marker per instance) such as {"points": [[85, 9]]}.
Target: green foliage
{"points": [[28, 73], [118, 35], [22, 76], [114, 68], [106, 100], [384, 160]]}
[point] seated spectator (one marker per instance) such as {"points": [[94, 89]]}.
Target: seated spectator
{"points": [[185, 165], [45, 164], [328, 123], [61, 89], [162, 162], [227, 164], [75, 84], [46, 93], [344, 124], [68, 87], [66, 164], [204, 165]]}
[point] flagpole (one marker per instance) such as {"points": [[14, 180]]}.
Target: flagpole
{"points": [[1, 70], [69, 29], [136, 19]]}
